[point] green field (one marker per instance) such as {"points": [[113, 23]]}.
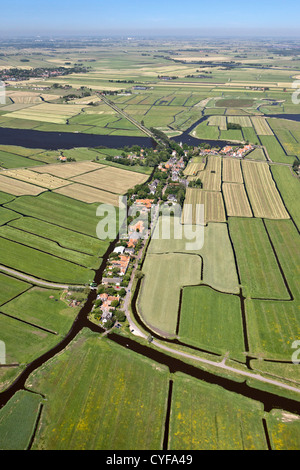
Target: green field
{"points": [[250, 135], [204, 131], [260, 274], [24, 342], [10, 288], [274, 149], [288, 132], [234, 135], [47, 246], [285, 239], [234, 297], [257, 154], [63, 237], [4, 197], [211, 320], [42, 265], [284, 430], [7, 215], [272, 328], [234, 103], [288, 186], [44, 308]]}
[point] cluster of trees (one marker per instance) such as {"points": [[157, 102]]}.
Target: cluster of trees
{"points": [[178, 190], [167, 77], [198, 76], [231, 125], [296, 165], [83, 92], [25, 74], [150, 158], [196, 183], [121, 81]]}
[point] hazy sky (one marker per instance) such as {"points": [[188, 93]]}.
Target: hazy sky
{"points": [[261, 17]]}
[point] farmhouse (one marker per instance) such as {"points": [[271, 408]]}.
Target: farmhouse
{"points": [[139, 87], [172, 198], [227, 149], [119, 250], [144, 203], [121, 263], [111, 280], [153, 186]]}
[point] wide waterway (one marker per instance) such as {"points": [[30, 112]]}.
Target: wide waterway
{"points": [[30, 138]]}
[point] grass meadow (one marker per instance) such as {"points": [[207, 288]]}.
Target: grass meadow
{"points": [[211, 320], [23, 410], [95, 390]]}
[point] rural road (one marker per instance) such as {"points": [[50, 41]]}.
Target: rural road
{"points": [[34, 280], [222, 365]]}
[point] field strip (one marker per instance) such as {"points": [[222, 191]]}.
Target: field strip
{"points": [[236, 200], [19, 188], [38, 179], [29, 323], [264, 197], [261, 126], [232, 171], [88, 194], [111, 179], [69, 170], [34, 280], [213, 205]]}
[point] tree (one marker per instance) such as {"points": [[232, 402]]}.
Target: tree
{"points": [[139, 274], [97, 314], [296, 164], [109, 324], [196, 183], [120, 315]]}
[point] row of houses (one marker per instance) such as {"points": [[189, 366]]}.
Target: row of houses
{"points": [[236, 152]]}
